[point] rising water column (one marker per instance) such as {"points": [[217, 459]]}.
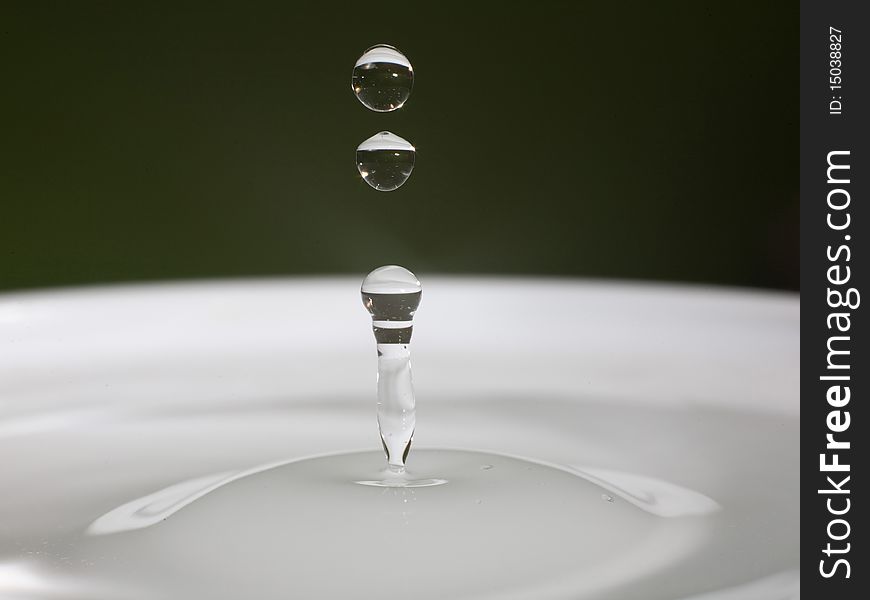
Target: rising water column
{"points": [[392, 294]]}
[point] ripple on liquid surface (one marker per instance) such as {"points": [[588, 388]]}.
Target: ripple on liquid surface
{"points": [[502, 526]]}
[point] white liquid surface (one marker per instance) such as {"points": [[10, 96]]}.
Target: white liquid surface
{"points": [[551, 529], [160, 437]]}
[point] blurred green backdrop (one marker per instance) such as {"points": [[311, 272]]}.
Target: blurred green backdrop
{"points": [[152, 140]]}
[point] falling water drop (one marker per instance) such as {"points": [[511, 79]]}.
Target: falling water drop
{"points": [[385, 161], [382, 78]]}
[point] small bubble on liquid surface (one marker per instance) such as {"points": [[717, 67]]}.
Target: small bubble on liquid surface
{"points": [[607, 497], [385, 161], [485, 467], [382, 78]]}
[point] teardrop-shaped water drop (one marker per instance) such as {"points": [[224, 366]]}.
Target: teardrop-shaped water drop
{"points": [[385, 161], [382, 78]]}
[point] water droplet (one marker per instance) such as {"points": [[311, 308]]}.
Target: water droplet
{"points": [[385, 161], [485, 467], [382, 78], [607, 497]]}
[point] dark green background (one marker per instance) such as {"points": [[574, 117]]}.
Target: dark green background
{"points": [[176, 140]]}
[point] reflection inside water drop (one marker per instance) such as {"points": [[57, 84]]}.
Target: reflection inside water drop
{"points": [[382, 78], [385, 161]]}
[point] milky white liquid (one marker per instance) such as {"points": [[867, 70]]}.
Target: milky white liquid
{"points": [[184, 466]]}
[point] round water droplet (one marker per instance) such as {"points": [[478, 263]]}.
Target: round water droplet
{"points": [[391, 279], [385, 161], [382, 78]]}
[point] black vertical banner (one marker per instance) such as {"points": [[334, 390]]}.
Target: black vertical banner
{"points": [[835, 370]]}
